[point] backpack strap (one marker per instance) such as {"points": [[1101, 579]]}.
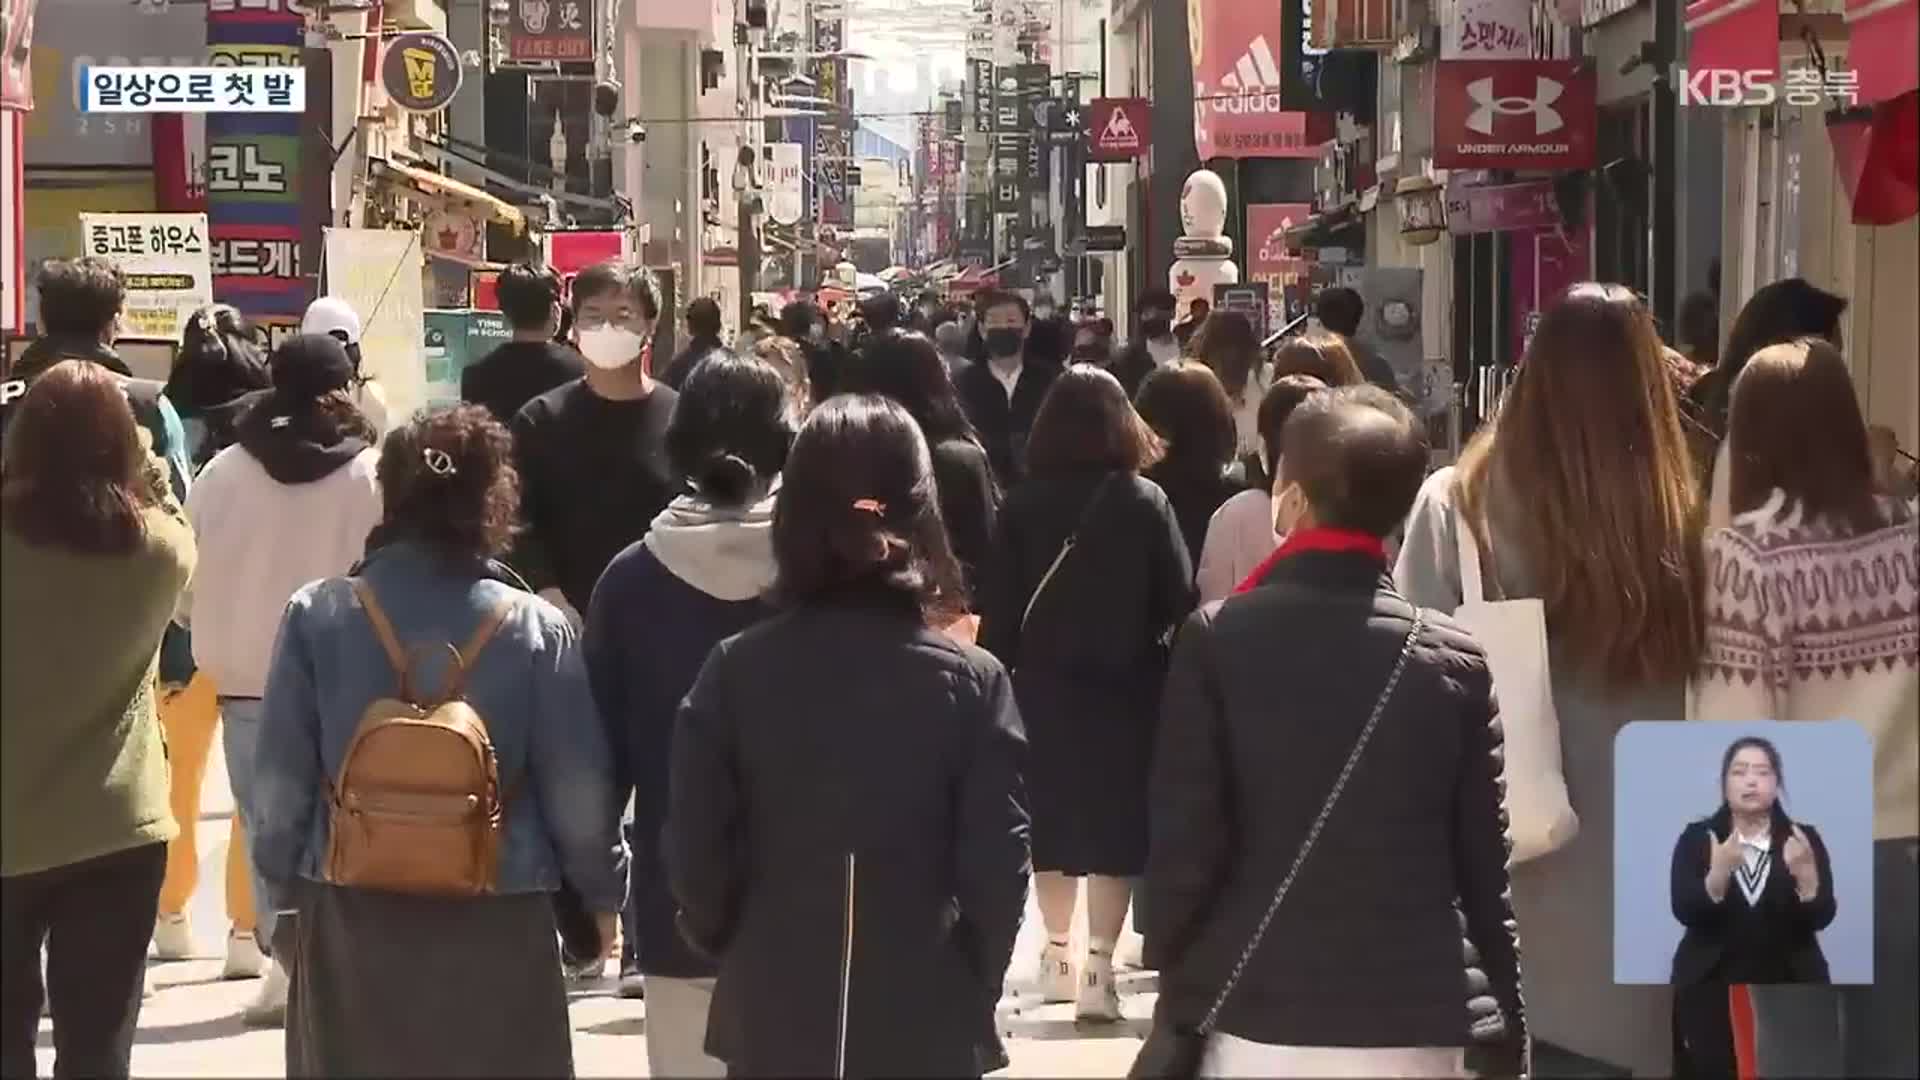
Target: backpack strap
{"points": [[463, 658], [383, 630]]}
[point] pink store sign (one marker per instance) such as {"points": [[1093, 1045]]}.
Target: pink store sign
{"points": [[1529, 204]]}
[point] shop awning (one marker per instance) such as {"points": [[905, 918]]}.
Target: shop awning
{"points": [[1883, 47], [446, 187], [1734, 35]]}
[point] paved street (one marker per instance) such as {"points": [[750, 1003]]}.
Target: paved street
{"points": [[192, 1027]]}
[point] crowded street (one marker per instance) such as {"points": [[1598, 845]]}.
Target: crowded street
{"points": [[960, 538]]}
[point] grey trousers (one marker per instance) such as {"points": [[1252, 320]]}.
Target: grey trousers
{"points": [[1846, 1031], [677, 1029]]}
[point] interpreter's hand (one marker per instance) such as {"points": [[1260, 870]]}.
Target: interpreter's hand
{"points": [[1801, 864], [1722, 857], [608, 923]]}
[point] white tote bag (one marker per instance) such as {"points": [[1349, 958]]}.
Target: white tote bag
{"points": [[1514, 634]]}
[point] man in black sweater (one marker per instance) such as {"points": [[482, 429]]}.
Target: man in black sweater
{"points": [[532, 363], [1002, 394], [703, 337]]}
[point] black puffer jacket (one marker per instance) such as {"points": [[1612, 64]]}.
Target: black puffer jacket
{"points": [[1266, 697]]}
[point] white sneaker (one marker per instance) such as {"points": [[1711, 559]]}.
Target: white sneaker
{"points": [[244, 958], [172, 937], [269, 1009], [1056, 974], [1099, 994]]}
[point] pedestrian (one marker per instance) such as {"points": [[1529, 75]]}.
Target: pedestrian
{"points": [[1339, 310], [217, 365], [1231, 348], [336, 318], [1002, 394], [1803, 509], [1243, 532], [94, 552], [1153, 346], [217, 373], [1321, 355], [293, 500], [907, 369], [1197, 313], [846, 826], [696, 578], [592, 452], [790, 360], [453, 977], [951, 337], [1783, 311], [531, 362], [805, 323], [1093, 342], [1088, 578], [1330, 756], [1579, 492], [1187, 407], [703, 339]]}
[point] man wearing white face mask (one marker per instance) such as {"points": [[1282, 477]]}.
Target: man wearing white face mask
{"points": [[592, 451]]}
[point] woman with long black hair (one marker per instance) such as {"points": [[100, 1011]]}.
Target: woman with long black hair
{"points": [[1753, 888]]}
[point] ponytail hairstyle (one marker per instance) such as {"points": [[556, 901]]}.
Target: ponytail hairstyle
{"points": [[1782, 824], [731, 429], [858, 519]]}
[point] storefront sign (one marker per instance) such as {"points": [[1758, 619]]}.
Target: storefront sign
{"points": [[543, 31], [980, 85], [1251, 299], [1119, 129], [420, 72], [377, 272], [1487, 30], [1300, 58], [1032, 81], [1544, 262], [72, 35], [1513, 114], [568, 253], [254, 169], [1271, 257], [786, 199], [1237, 110], [167, 263], [1883, 47], [1502, 207]]}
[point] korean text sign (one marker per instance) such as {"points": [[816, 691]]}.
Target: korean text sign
{"points": [[167, 262]]}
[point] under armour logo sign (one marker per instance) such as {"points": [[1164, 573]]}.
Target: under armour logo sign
{"points": [[1545, 117]]}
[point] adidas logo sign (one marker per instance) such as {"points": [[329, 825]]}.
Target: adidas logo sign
{"points": [[1253, 85]]}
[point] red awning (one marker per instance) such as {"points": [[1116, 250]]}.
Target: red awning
{"points": [[1883, 47], [1876, 151], [1734, 35]]}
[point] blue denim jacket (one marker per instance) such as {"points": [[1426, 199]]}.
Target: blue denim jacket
{"points": [[528, 684]]}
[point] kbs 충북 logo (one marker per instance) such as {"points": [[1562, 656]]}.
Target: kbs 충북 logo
{"points": [[1733, 88]]}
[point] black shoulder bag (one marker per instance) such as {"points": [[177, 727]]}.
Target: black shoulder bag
{"points": [[1173, 1052], [1066, 548]]}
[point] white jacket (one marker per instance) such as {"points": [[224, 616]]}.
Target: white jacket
{"points": [[260, 541]]}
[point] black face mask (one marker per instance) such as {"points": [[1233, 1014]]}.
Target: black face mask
{"points": [[1004, 343], [1156, 326]]}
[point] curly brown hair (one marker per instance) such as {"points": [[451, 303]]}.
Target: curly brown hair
{"points": [[447, 480]]}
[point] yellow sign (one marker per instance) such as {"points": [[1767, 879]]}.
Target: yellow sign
{"points": [[419, 72]]}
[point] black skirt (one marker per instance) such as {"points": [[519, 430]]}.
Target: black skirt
{"points": [[389, 985], [1090, 744]]}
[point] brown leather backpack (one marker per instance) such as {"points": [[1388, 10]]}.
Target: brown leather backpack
{"points": [[418, 808]]}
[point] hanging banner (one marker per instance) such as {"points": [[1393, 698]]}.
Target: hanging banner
{"points": [[1236, 84], [1119, 129], [1270, 258], [568, 253], [545, 31], [786, 198], [377, 272], [167, 264], [1513, 114], [1487, 30], [16, 55], [254, 168], [1032, 81]]}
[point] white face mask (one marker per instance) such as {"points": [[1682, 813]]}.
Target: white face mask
{"points": [[610, 347]]}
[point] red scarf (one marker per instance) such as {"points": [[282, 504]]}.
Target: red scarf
{"points": [[1316, 539]]}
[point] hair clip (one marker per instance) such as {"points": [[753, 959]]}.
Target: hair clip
{"points": [[439, 462], [871, 506]]}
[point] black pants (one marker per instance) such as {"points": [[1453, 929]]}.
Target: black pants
{"points": [[95, 919]]}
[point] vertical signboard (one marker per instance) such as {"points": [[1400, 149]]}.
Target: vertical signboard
{"points": [[13, 245], [1031, 83], [785, 198], [1010, 140], [377, 272], [254, 168], [1271, 259], [545, 31], [832, 140]]}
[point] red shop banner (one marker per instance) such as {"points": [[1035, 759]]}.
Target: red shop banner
{"points": [[1513, 114], [1236, 52], [1119, 129]]}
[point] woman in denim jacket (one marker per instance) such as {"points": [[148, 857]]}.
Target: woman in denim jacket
{"points": [[391, 984]]}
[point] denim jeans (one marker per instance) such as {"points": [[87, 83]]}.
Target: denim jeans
{"points": [[239, 734], [1822, 1031]]}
